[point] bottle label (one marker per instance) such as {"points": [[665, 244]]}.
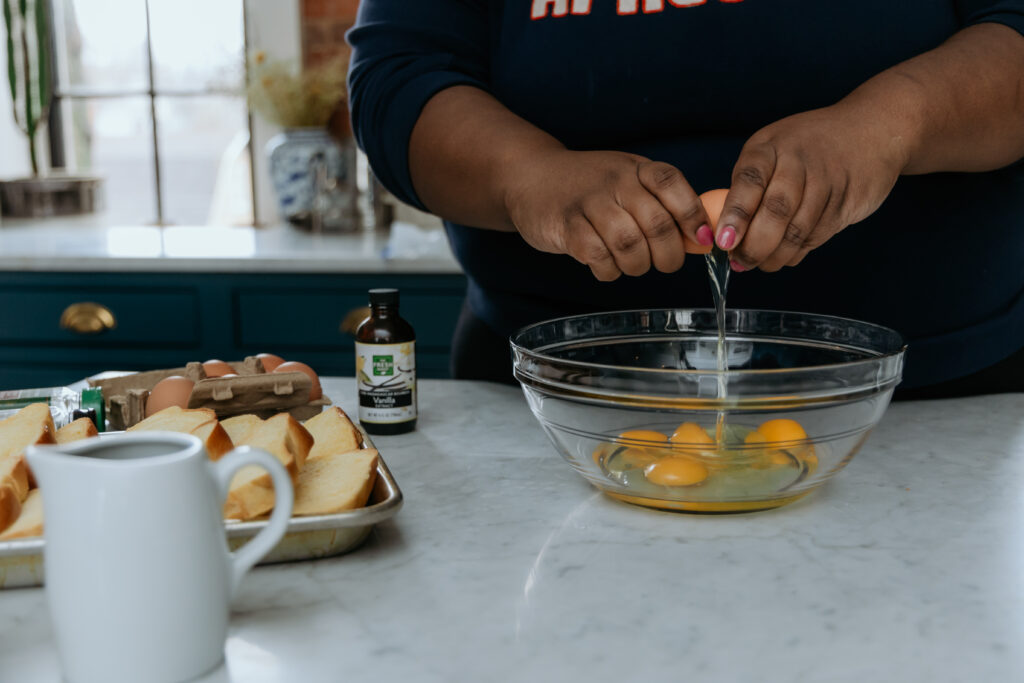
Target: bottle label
{"points": [[386, 374]]}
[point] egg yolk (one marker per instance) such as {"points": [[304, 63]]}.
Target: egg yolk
{"points": [[691, 434], [772, 431], [644, 435], [755, 439], [634, 456], [675, 471], [600, 453], [638, 457], [810, 458], [782, 430]]}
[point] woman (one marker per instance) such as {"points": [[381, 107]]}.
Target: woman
{"points": [[565, 142]]}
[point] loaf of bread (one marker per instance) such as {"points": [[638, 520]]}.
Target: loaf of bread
{"points": [[333, 433], [30, 521], [251, 493], [82, 428], [200, 422], [335, 482]]}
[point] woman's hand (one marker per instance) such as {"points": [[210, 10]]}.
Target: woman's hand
{"points": [[802, 179], [612, 211]]}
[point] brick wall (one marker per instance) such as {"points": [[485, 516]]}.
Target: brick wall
{"points": [[323, 24]]}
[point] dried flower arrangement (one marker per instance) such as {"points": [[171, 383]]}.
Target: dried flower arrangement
{"points": [[297, 98]]}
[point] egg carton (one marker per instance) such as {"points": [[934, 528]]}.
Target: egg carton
{"points": [[253, 391]]}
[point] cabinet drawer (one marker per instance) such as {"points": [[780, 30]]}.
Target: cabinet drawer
{"points": [[165, 317], [312, 319]]}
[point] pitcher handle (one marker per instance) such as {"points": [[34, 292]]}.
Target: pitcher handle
{"points": [[243, 559]]}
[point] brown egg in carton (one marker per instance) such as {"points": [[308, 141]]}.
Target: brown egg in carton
{"points": [[253, 391]]}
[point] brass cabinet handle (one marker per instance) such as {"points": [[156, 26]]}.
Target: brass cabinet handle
{"points": [[350, 323], [87, 317]]}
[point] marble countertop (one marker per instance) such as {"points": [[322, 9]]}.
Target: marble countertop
{"points": [[504, 565], [70, 245]]}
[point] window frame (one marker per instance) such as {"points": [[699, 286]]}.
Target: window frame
{"points": [[59, 93]]}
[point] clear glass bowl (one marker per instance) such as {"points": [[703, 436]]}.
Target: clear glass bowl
{"points": [[631, 400]]}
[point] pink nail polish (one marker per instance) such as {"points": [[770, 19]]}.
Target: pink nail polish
{"points": [[705, 236], [735, 265], [727, 238]]}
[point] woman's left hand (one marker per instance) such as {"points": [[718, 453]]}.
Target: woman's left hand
{"points": [[802, 179]]}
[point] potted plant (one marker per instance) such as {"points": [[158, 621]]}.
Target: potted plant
{"points": [[28, 76], [314, 175]]}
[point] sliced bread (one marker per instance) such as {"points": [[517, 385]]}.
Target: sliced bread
{"points": [[30, 521], [10, 506], [82, 428], [336, 482], [284, 437], [15, 436], [14, 473], [251, 493], [201, 422], [333, 432], [239, 426], [170, 418], [30, 426]]}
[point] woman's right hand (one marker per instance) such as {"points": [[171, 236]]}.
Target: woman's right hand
{"points": [[612, 211]]}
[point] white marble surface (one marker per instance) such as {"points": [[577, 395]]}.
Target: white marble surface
{"points": [[504, 565], [62, 245]]}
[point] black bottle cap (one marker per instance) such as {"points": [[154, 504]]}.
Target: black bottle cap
{"points": [[386, 297], [90, 413]]}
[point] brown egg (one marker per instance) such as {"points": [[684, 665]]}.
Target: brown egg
{"points": [[270, 361], [295, 366], [714, 202], [170, 391], [217, 368]]}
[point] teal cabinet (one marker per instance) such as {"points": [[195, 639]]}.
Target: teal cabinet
{"points": [[164, 320], [162, 316]]}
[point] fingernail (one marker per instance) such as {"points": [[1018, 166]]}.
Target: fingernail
{"points": [[727, 237], [705, 236], [736, 266]]}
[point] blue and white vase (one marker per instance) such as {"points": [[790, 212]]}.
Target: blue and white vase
{"points": [[294, 157]]}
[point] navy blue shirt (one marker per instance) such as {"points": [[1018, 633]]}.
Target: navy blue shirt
{"points": [[687, 82]]}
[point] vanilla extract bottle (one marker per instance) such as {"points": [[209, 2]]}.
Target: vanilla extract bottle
{"points": [[386, 367]]}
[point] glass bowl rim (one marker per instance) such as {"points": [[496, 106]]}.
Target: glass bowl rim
{"points": [[899, 341]]}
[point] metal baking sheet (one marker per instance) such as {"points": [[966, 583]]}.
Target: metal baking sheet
{"points": [[21, 560]]}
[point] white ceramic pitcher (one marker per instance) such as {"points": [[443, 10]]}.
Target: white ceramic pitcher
{"points": [[138, 575]]}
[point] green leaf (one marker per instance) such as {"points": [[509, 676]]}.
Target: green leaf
{"points": [[26, 69], [32, 144], [12, 74], [42, 60]]}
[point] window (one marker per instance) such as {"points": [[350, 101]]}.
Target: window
{"points": [[149, 96]]}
